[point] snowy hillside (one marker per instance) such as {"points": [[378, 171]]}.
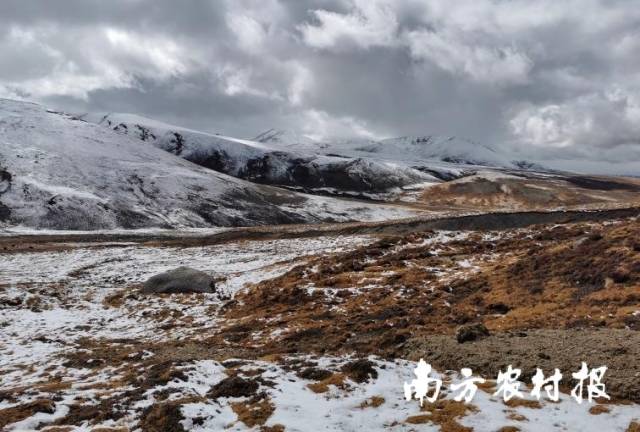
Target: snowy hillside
{"points": [[286, 138], [57, 171], [446, 149], [413, 150], [272, 163], [445, 154]]}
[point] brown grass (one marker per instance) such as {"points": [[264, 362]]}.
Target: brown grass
{"points": [[444, 413], [337, 379], [21, 412], [162, 418], [599, 409], [106, 429], [53, 386], [254, 412], [372, 402], [274, 428], [374, 298], [115, 300], [633, 427], [526, 403], [516, 416]]}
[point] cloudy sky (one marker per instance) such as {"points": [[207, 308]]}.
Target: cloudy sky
{"points": [[544, 75]]}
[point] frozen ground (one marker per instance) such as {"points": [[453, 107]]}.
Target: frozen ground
{"points": [[84, 277], [82, 348]]}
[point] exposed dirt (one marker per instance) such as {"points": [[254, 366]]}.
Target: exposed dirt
{"points": [[619, 350]]}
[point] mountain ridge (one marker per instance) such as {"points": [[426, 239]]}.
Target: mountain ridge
{"points": [[266, 163], [58, 171]]}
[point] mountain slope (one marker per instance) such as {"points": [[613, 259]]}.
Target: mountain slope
{"points": [[285, 138], [414, 150], [271, 163], [442, 153], [57, 171], [446, 149]]}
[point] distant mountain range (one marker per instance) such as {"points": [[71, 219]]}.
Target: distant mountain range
{"points": [[410, 149], [101, 171], [58, 171], [270, 161]]}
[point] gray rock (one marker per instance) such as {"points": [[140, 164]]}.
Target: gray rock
{"points": [[180, 280], [468, 333]]}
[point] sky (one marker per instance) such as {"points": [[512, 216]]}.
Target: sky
{"points": [[555, 77]]}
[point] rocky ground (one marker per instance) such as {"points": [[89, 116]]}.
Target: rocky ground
{"points": [[319, 332]]}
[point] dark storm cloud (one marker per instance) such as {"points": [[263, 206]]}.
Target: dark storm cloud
{"points": [[545, 74]]}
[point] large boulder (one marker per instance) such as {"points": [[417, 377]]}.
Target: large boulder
{"points": [[180, 280]]}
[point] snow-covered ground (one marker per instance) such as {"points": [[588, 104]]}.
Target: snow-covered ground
{"points": [[85, 276], [56, 306], [140, 232], [350, 409]]}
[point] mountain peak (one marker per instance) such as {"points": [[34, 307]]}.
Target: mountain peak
{"points": [[284, 137]]}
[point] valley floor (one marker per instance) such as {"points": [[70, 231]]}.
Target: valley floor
{"points": [[318, 330]]}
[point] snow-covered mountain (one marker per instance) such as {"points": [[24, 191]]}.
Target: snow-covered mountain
{"points": [[283, 138], [446, 149], [59, 171], [271, 162], [413, 150], [445, 154]]}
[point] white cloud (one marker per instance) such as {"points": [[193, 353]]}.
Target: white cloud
{"points": [[236, 80], [319, 124], [369, 23], [451, 41], [549, 125], [485, 63], [535, 73], [609, 120], [151, 56], [249, 32], [81, 61], [300, 84]]}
